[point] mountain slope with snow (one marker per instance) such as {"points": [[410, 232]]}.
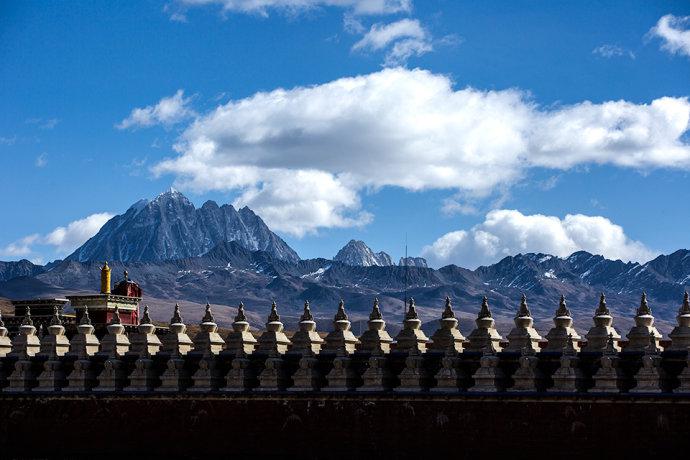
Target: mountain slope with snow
{"points": [[358, 254], [169, 227]]}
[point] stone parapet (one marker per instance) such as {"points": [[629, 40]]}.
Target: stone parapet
{"points": [[54, 365]]}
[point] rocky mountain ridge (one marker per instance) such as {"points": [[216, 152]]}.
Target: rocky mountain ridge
{"points": [[170, 227], [230, 273], [357, 254]]}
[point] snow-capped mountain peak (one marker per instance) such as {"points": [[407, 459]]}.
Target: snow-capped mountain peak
{"points": [[170, 227], [357, 253]]}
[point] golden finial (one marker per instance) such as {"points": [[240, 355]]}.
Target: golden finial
{"points": [[105, 279]]}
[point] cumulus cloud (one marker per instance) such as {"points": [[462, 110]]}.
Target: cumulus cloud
{"points": [[507, 232], [167, 112], [262, 7], [62, 240], [674, 32], [298, 202], [409, 129], [20, 248], [403, 39], [67, 239], [611, 51]]}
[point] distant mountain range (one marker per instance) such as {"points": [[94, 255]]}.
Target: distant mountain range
{"points": [[217, 254]]}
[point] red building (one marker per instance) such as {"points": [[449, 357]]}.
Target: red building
{"points": [[125, 296]]}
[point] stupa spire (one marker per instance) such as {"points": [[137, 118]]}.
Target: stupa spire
{"points": [[563, 329], [240, 316], [597, 336], [240, 341], [485, 334], [273, 316], [447, 335], [375, 310], [55, 319], [85, 320], [208, 316], [523, 310], [562, 307], [116, 316], [27, 321], [341, 337], [638, 337], [448, 310], [484, 311], [145, 343], [340, 315], [524, 329], [145, 318], [602, 309], [412, 336], [176, 318], [376, 337], [273, 340], [411, 310], [644, 306], [207, 340], [306, 340], [177, 342], [306, 314]]}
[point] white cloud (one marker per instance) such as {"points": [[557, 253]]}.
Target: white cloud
{"points": [[611, 51], [62, 240], [167, 112], [42, 160], [674, 32], [67, 239], [262, 7], [382, 35], [507, 232], [404, 38], [456, 205], [20, 247], [300, 202], [410, 129]]}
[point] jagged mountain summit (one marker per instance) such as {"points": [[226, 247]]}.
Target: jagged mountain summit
{"points": [[413, 262], [357, 254], [170, 227]]}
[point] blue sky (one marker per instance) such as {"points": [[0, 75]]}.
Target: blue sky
{"points": [[475, 128]]}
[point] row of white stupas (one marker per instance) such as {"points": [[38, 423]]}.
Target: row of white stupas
{"points": [[242, 363]]}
